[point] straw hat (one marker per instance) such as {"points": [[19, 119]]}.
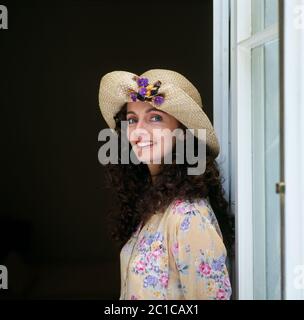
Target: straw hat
{"points": [[166, 90]]}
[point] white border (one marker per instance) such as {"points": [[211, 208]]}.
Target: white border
{"points": [[294, 149]]}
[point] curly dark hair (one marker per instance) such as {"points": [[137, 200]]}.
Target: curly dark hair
{"points": [[139, 198]]}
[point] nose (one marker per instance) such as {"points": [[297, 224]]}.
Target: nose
{"points": [[141, 124], [140, 132]]}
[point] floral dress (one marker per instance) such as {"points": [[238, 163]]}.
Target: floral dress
{"points": [[178, 254]]}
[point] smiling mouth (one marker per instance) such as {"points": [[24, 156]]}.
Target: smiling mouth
{"points": [[143, 145]]}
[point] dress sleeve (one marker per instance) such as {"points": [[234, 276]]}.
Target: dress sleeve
{"points": [[200, 255]]}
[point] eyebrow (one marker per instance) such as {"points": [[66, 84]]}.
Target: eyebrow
{"points": [[148, 110]]}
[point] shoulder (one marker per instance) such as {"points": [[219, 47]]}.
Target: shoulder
{"points": [[199, 211], [182, 207]]}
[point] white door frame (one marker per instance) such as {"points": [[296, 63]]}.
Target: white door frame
{"points": [[221, 85], [232, 121]]}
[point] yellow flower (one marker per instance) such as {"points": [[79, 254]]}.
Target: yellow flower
{"points": [[149, 87], [148, 93], [211, 286], [155, 245]]}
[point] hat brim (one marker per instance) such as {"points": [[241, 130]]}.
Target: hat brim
{"points": [[113, 94]]}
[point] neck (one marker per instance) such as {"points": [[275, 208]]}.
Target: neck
{"points": [[154, 171]]}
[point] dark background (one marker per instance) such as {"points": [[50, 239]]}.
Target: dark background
{"points": [[53, 194]]}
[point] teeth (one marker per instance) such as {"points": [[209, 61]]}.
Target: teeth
{"points": [[144, 144]]}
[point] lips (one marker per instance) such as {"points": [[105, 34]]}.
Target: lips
{"points": [[144, 144]]}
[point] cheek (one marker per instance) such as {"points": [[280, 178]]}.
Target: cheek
{"points": [[129, 133], [165, 142]]}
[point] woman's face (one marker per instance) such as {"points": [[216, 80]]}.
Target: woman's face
{"points": [[146, 131]]}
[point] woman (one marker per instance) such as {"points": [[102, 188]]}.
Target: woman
{"points": [[173, 227]]}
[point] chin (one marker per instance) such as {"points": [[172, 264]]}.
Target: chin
{"points": [[148, 160], [147, 156]]}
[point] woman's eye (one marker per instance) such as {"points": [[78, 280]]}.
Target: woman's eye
{"points": [[159, 118], [130, 119]]}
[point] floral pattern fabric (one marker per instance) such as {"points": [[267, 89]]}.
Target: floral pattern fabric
{"points": [[177, 255]]}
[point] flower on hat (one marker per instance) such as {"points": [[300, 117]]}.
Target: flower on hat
{"points": [[146, 91], [142, 82], [158, 100]]}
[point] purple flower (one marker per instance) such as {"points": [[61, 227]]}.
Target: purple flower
{"points": [[185, 224], [150, 240], [157, 236], [219, 263], [142, 82], [142, 91], [158, 100], [133, 96], [150, 281]]}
